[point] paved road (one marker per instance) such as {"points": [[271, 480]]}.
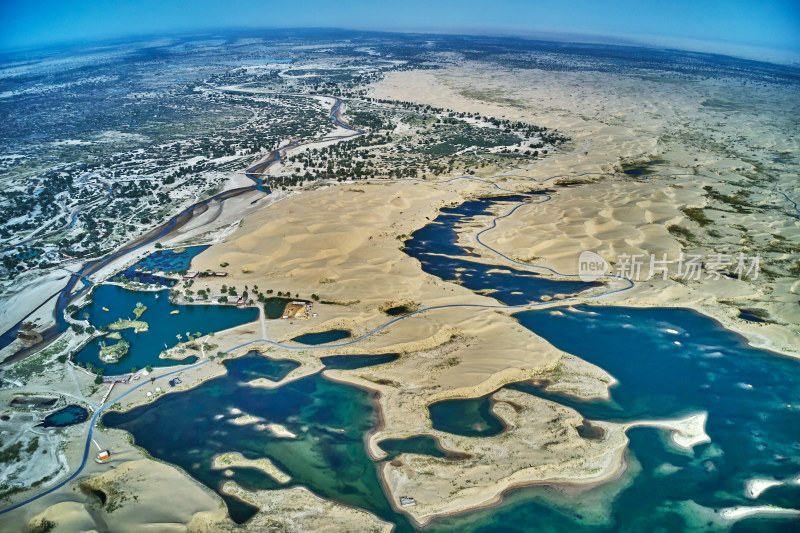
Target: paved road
{"points": [[794, 204], [544, 198], [65, 295]]}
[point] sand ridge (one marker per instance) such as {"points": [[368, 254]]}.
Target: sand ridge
{"points": [[329, 240]]}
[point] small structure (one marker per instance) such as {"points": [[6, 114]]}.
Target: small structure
{"points": [[149, 394], [103, 456], [191, 275], [297, 309], [174, 382], [122, 378], [158, 389], [407, 501]]}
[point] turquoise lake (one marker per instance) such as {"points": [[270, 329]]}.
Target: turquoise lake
{"points": [[146, 346], [66, 416], [669, 362], [167, 261], [329, 419]]}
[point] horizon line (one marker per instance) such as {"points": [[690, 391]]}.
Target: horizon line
{"points": [[778, 56]]}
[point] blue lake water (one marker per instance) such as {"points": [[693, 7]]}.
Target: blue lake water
{"points": [[146, 346], [262, 367], [162, 261], [66, 416], [471, 417], [329, 419], [323, 337], [512, 285], [669, 362]]}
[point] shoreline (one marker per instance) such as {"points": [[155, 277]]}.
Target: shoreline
{"points": [[616, 472], [497, 500], [636, 296], [549, 305], [169, 229], [562, 486]]}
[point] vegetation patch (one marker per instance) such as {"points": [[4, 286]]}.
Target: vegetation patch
{"points": [[139, 310], [112, 353], [42, 526], [681, 232], [738, 200], [123, 323], [754, 314], [490, 96], [109, 495], [37, 363], [697, 214]]}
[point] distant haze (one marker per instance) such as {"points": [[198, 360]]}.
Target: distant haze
{"points": [[735, 27]]}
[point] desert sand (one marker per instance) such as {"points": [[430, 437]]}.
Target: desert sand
{"points": [[329, 239], [685, 433], [611, 121], [756, 487], [234, 459], [298, 510]]}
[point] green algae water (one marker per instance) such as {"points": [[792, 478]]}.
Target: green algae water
{"points": [[328, 456], [164, 327], [351, 362], [419, 444]]}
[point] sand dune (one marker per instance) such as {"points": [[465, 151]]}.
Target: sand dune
{"points": [[342, 243], [609, 122]]}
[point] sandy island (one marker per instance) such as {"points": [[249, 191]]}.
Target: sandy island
{"points": [[233, 459]]}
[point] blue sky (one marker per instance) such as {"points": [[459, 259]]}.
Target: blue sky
{"points": [[773, 24]]}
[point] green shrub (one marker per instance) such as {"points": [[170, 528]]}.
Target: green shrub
{"points": [[680, 232], [696, 214]]}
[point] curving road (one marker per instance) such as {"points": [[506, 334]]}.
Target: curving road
{"points": [[794, 204], [544, 198], [65, 296], [276, 156]]}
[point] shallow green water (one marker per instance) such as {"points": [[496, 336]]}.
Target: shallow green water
{"points": [[330, 420], [274, 307], [419, 444], [146, 346]]}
